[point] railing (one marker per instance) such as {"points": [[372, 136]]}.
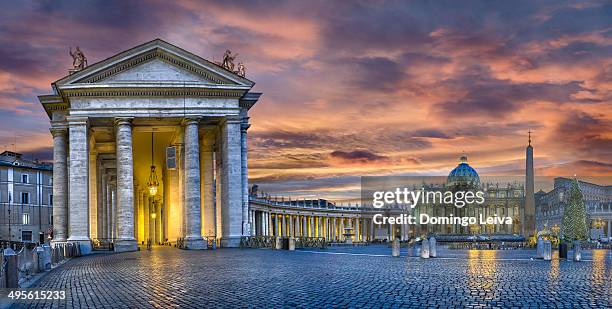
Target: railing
{"points": [[3, 263], [257, 242], [18, 266], [311, 242], [180, 243], [270, 242], [103, 244]]}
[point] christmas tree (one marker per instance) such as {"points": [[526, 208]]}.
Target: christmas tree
{"points": [[575, 217]]}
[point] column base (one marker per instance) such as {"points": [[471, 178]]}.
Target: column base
{"points": [[194, 243], [246, 228], [57, 241], [125, 245], [230, 242], [84, 243]]}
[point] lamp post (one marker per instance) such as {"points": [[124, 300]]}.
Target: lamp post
{"points": [[10, 198]]}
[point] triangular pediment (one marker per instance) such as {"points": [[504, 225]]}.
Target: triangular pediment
{"points": [[154, 62], [156, 70]]}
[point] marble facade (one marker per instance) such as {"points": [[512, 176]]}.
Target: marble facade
{"points": [[96, 115]]}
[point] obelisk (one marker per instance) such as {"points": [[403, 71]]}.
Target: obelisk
{"points": [[529, 225]]}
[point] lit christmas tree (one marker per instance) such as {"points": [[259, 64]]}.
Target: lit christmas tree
{"points": [[574, 217]]}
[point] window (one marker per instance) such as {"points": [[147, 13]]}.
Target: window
{"points": [[24, 178], [50, 181], [26, 236], [25, 219], [50, 199], [25, 198]]}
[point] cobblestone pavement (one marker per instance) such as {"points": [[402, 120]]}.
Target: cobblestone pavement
{"points": [[232, 278]]}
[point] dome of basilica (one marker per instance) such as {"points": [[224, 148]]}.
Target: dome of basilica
{"points": [[463, 174]]}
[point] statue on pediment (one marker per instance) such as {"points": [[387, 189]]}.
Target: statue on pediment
{"points": [[241, 69], [79, 61], [228, 60]]}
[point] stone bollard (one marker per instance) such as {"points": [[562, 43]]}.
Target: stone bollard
{"points": [[38, 255], [539, 248], [433, 247], [425, 248], [577, 251], [395, 247], [291, 243], [278, 243], [11, 269], [563, 250], [46, 257], [547, 250]]}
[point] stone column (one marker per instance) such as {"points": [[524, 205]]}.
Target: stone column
{"points": [[158, 222], [125, 187], [311, 229], [78, 189], [100, 201], [270, 224], [103, 206], [136, 206], [114, 208], [193, 225], [141, 215], [246, 223], [60, 184], [207, 177], [232, 183], [152, 221], [108, 228], [93, 191], [372, 231], [356, 231], [147, 217]]}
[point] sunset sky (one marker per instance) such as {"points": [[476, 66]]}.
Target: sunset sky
{"points": [[354, 88]]}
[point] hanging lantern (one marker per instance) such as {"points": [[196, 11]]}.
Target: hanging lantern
{"points": [[153, 184]]}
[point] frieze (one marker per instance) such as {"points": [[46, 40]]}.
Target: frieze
{"points": [[153, 93]]}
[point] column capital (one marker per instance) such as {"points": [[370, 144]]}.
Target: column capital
{"points": [[58, 130], [191, 120], [77, 120], [231, 119], [123, 121]]}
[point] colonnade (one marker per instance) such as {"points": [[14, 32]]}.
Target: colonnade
{"points": [[97, 196], [332, 228]]}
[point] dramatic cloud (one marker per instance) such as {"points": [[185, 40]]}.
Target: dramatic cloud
{"points": [[357, 156], [353, 88]]}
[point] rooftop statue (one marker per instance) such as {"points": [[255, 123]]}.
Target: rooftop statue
{"points": [[79, 61], [228, 63], [228, 60], [241, 69]]}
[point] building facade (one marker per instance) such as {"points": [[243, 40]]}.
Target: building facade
{"points": [[142, 141], [337, 222], [26, 198], [597, 200]]}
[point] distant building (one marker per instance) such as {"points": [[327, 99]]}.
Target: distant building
{"points": [[25, 197], [597, 199], [276, 216]]}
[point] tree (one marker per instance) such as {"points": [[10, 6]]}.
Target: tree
{"points": [[574, 225]]}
